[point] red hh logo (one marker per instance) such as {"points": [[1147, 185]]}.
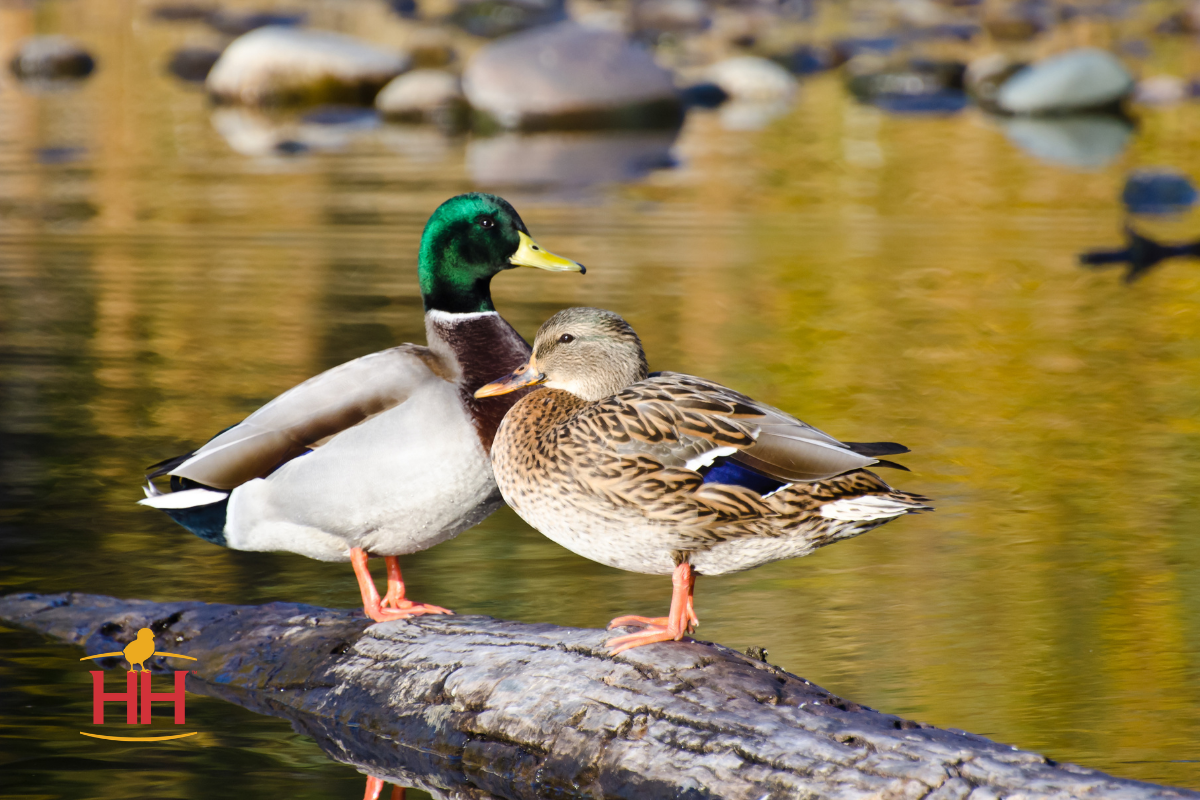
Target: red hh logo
{"points": [[137, 652]]}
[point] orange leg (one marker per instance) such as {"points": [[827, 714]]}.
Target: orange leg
{"points": [[680, 620], [400, 608], [375, 788]]}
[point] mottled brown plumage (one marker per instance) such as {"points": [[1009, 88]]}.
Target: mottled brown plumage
{"points": [[671, 473]]}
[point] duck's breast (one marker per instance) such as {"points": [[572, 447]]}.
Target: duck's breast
{"points": [[401, 482]]}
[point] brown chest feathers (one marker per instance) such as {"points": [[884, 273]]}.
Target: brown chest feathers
{"points": [[486, 348]]}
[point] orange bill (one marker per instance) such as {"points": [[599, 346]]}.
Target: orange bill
{"points": [[526, 375]]}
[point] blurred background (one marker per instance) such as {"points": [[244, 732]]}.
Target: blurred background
{"points": [[964, 226]]}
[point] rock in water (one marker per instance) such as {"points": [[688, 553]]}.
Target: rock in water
{"points": [[424, 95], [753, 78], [907, 86], [1074, 81], [51, 58], [654, 18], [285, 66], [238, 23], [192, 64], [492, 18], [1158, 191], [569, 76]]}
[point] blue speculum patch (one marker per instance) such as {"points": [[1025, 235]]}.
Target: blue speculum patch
{"points": [[730, 473]]}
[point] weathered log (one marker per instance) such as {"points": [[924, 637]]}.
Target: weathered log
{"points": [[470, 706]]}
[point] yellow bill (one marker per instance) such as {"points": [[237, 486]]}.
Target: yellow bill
{"points": [[531, 254], [526, 375]]}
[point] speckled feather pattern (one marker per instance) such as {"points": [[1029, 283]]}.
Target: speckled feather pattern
{"points": [[608, 480]]}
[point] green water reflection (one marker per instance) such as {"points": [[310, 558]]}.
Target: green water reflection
{"points": [[882, 277]]}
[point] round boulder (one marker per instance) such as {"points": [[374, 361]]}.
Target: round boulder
{"points": [[753, 78], [569, 76], [286, 66], [1077, 80], [424, 95], [51, 58]]}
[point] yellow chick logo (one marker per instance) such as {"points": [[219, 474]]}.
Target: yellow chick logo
{"points": [[141, 648], [137, 651]]}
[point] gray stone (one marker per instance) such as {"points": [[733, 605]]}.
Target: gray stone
{"points": [[754, 79], [285, 66], [570, 76], [424, 95], [51, 58], [492, 18], [654, 18], [1071, 82]]}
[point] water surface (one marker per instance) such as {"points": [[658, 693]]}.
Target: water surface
{"points": [[162, 274]]}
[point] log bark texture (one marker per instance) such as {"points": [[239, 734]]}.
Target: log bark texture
{"points": [[473, 707]]}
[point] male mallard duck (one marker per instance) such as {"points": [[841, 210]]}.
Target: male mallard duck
{"points": [[672, 474], [385, 455]]}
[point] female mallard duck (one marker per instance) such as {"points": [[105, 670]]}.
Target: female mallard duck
{"points": [[671, 474], [385, 455]]}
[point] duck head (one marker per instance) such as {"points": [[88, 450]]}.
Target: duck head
{"points": [[468, 240], [589, 352]]}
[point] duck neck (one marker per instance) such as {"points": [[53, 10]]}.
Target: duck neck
{"points": [[484, 347], [448, 282]]}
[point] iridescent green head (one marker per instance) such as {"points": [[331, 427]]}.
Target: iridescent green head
{"points": [[469, 239]]}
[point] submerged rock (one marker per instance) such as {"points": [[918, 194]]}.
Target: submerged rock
{"points": [[1159, 191], [1075, 81], [754, 79], [51, 58], [239, 23], [285, 66], [192, 64], [654, 18], [913, 87], [1018, 21], [182, 12], [568, 76], [493, 18], [424, 95]]}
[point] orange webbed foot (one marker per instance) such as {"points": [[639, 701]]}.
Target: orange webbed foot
{"points": [[682, 619], [411, 609], [652, 634]]}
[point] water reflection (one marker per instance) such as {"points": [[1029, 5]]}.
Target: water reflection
{"points": [[564, 161], [1081, 142], [915, 277], [1140, 254]]}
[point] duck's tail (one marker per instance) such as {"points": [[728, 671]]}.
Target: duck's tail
{"points": [[199, 509]]}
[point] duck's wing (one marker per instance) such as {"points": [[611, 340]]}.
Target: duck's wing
{"points": [[688, 422], [307, 416]]}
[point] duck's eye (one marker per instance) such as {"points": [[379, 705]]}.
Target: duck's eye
{"points": [[487, 223], [566, 338]]}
